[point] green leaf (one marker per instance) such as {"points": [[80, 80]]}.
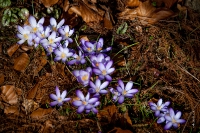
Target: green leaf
{"points": [[122, 28], [5, 3], [13, 20], [14, 16], [56, 14], [15, 10], [5, 21], [7, 12]]}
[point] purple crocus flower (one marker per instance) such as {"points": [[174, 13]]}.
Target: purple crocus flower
{"points": [[62, 54], [24, 34], [78, 59], [54, 24], [98, 88], [87, 46], [84, 103], [104, 71], [115, 93], [161, 117], [160, 107], [83, 76], [96, 59], [44, 33], [173, 119], [51, 41], [36, 26], [93, 109], [66, 33], [125, 91], [59, 99], [99, 46]]}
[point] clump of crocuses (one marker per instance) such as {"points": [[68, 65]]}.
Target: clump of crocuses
{"points": [[165, 114]]}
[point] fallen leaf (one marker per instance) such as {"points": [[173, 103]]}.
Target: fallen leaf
{"points": [[181, 8], [132, 3], [145, 9], [87, 14], [11, 50], [42, 62], [108, 112], [2, 78], [66, 5], [48, 126], [119, 130], [48, 3], [8, 94], [21, 62], [32, 92], [26, 48], [39, 113], [169, 3], [128, 119], [11, 110]]}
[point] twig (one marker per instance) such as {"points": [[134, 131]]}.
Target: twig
{"points": [[188, 73]]}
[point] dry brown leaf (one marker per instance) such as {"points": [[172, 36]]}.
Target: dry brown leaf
{"points": [[48, 3], [128, 119], [169, 3], [87, 14], [26, 48], [32, 92], [160, 14], [145, 9], [132, 3], [8, 94], [2, 78], [39, 113], [66, 5], [107, 112], [21, 62], [119, 130], [42, 62], [11, 50], [11, 110], [48, 126], [181, 8]]}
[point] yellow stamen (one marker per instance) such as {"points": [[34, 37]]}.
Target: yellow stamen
{"points": [[97, 89], [59, 99], [99, 49], [85, 77], [54, 29], [26, 36], [50, 41], [173, 120], [78, 58], [97, 64], [63, 55], [89, 49], [84, 103], [35, 29], [67, 34], [158, 107], [104, 72], [124, 92]]}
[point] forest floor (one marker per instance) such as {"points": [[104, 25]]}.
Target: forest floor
{"points": [[162, 58]]}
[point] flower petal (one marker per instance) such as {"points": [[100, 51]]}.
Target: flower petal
{"points": [[104, 85], [92, 100], [96, 71], [121, 84], [132, 91], [80, 95], [129, 86], [60, 23], [181, 121], [171, 112], [168, 126], [109, 71], [57, 91], [109, 64], [108, 77], [32, 21], [178, 115], [157, 113], [161, 120], [103, 91], [168, 118], [175, 125], [53, 21], [121, 99], [63, 95], [66, 99], [77, 103], [81, 109], [159, 103], [54, 103], [53, 97]]}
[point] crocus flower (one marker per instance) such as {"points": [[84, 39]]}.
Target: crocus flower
{"points": [[173, 119], [115, 93], [93, 109], [66, 33], [83, 76], [59, 99], [161, 117], [98, 88], [84, 103], [96, 59], [44, 33], [51, 41], [78, 59], [99, 46], [36, 26], [125, 91], [24, 34], [62, 54], [54, 24], [104, 71], [159, 107], [88, 47]]}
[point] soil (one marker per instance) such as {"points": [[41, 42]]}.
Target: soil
{"points": [[164, 62]]}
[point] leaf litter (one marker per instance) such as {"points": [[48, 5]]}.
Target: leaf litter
{"points": [[165, 63]]}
